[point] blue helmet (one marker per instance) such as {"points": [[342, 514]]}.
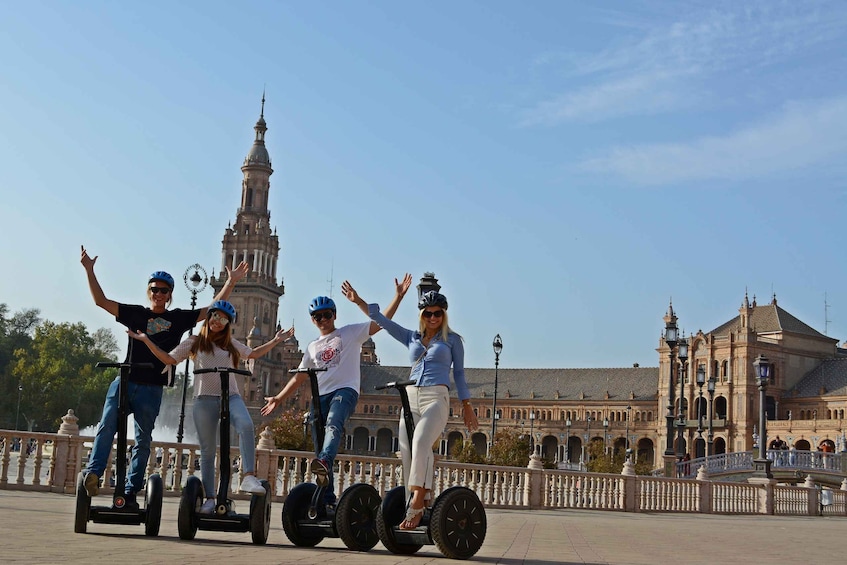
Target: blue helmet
{"points": [[163, 277], [432, 298], [321, 303], [224, 307]]}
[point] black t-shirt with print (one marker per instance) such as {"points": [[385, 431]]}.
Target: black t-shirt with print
{"points": [[165, 330]]}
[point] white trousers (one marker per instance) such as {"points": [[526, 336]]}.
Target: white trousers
{"points": [[430, 407]]}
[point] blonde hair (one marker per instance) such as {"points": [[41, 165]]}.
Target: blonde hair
{"points": [[223, 339], [444, 330]]}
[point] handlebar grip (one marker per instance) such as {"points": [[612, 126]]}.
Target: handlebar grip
{"points": [[109, 364], [222, 370], [395, 384]]}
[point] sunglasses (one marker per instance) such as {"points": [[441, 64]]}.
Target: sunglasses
{"points": [[429, 314], [320, 316], [159, 290], [223, 320]]}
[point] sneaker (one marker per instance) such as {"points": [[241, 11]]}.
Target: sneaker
{"points": [[208, 507], [131, 504], [320, 470], [252, 485], [92, 484]]}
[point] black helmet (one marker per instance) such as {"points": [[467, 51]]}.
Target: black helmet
{"points": [[432, 298]]}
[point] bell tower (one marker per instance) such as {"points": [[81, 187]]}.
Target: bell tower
{"points": [[256, 297]]}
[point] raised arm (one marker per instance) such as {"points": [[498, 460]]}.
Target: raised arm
{"points": [[160, 354], [100, 299], [271, 402], [401, 289], [280, 336], [232, 277]]}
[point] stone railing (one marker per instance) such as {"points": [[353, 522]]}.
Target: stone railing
{"points": [[51, 462]]}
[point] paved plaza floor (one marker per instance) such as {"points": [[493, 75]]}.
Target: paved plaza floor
{"points": [[38, 528]]}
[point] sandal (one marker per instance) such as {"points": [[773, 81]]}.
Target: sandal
{"points": [[413, 516]]}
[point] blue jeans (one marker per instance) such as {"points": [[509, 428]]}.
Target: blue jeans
{"points": [[336, 407], [207, 420], [144, 404]]}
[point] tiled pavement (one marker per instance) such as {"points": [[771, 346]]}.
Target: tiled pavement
{"points": [[38, 528]]}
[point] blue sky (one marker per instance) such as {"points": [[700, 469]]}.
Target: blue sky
{"points": [[564, 168]]}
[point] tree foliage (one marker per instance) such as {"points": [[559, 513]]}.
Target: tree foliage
{"points": [[510, 448], [288, 431], [56, 371]]}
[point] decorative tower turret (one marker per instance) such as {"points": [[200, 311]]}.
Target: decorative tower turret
{"points": [[256, 297]]}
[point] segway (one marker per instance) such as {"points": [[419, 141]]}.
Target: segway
{"points": [[456, 522], [306, 519], [224, 518], [118, 512]]}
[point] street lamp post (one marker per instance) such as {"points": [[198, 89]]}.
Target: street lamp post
{"points": [[498, 348], [605, 436], [762, 465], [711, 437], [568, 424], [671, 338], [531, 436], [626, 434], [195, 283], [682, 356], [701, 380], [18, 412]]}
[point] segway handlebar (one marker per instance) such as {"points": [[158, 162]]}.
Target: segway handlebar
{"points": [[223, 370], [307, 370], [395, 384], [107, 364]]}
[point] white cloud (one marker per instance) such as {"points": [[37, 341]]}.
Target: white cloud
{"points": [[802, 135], [663, 67]]}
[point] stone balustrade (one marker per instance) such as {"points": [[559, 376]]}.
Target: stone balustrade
{"points": [[51, 462]]}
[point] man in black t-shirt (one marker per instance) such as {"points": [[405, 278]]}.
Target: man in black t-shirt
{"points": [[166, 328]]}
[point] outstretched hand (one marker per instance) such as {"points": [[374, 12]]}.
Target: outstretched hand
{"points": [[239, 272], [137, 334], [403, 287], [282, 335], [350, 292], [87, 262], [270, 405]]}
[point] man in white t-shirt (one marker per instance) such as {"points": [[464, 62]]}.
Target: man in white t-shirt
{"points": [[338, 350]]}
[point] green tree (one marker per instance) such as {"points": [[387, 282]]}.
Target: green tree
{"points": [[288, 432], [15, 333], [510, 449], [465, 452], [57, 373]]}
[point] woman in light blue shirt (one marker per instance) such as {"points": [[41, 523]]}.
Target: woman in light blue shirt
{"points": [[433, 350]]}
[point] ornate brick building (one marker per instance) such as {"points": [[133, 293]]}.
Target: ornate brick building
{"points": [[564, 409]]}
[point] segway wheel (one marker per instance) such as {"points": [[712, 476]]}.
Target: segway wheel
{"points": [[153, 517], [83, 505], [355, 517], [260, 515], [458, 523], [391, 513], [189, 505], [296, 508]]}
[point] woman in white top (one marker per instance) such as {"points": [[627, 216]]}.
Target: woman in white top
{"points": [[214, 347]]}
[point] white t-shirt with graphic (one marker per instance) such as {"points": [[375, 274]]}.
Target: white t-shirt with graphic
{"points": [[341, 353], [209, 384]]}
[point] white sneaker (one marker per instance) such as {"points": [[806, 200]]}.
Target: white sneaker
{"points": [[208, 507], [252, 485]]}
